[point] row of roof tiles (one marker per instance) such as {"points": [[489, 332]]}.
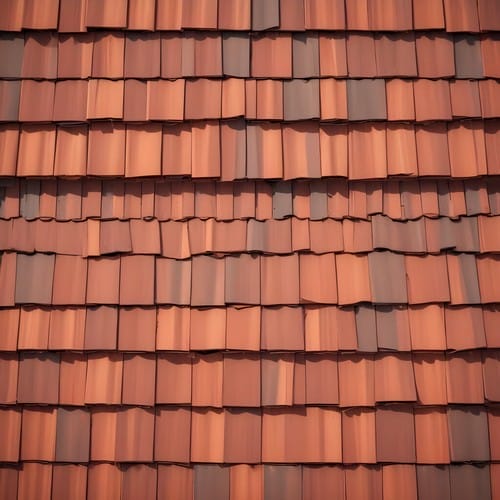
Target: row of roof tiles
{"points": [[249, 279], [276, 435], [78, 15], [181, 200], [293, 100], [181, 240], [270, 55], [310, 328], [234, 150], [104, 481], [250, 379]]}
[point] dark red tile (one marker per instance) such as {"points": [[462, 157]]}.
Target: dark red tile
{"points": [[69, 481], [101, 328], [395, 434], [363, 482], [433, 482], [468, 479]]}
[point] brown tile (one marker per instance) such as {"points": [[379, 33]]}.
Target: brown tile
{"points": [[272, 56], [236, 54], [282, 481], [172, 429], [211, 480], [35, 481], [367, 140], [108, 55], [422, 290], [40, 55], [173, 281], [313, 435], [468, 433], [11, 434], [353, 278], [395, 435], [432, 100], [9, 100], [135, 64], [34, 278], [207, 435], [433, 482], [468, 60], [464, 286], [207, 380], [363, 482], [467, 480], [72, 378], [264, 151], [34, 328], [104, 481], [107, 16], [137, 280], [361, 60], [106, 153], [105, 99], [72, 435], [305, 55], [36, 150], [242, 436], [12, 48], [490, 369], [101, 327], [435, 55], [380, 265], [464, 378], [393, 328], [319, 368], [234, 15], [139, 379], [104, 378], [265, 15], [38, 439], [399, 481], [395, 55], [69, 481]]}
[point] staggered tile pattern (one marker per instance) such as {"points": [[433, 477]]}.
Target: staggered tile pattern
{"points": [[250, 249]]}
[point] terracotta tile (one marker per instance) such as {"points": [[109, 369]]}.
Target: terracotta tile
{"points": [[246, 482], [67, 326], [207, 281], [395, 435], [464, 286], [473, 444], [277, 384], [206, 149], [35, 481], [318, 278], [104, 378], [34, 328], [301, 150], [430, 378], [139, 480], [492, 137], [433, 482], [8, 278], [38, 439], [400, 102], [207, 381], [360, 369], [242, 436], [91, 205], [490, 369], [464, 379], [137, 280], [488, 91], [107, 16], [399, 481], [243, 328], [432, 100], [431, 433], [135, 100], [380, 265], [333, 151], [141, 138], [361, 60], [36, 150], [176, 153], [461, 16], [468, 60], [70, 102], [173, 281], [106, 153], [203, 99], [486, 268], [234, 15], [333, 95], [172, 429], [233, 98], [40, 56], [103, 280], [435, 55], [394, 379], [269, 100], [9, 100], [395, 55], [207, 435], [9, 139], [72, 379], [171, 369], [9, 318], [105, 99], [264, 151], [242, 279], [207, 54], [134, 435], [353, 278], [205, 207], [71, 150], [70, 280], [175, 240], [69, 481], [312, 435], [114, 237], [137, 66], [393, 328], [401, 150], [72, 15], [323, 326], [213, 336], [494, 469], [241, 384], [34, 278], [489, 46], [104, 481], [428, 290], [174, 479], [108, 55], [428, 14], [363, 482], [11, 434], [279, 280], [203, 17], [319, 368], [169, 15], [320, 14], [173, 325], [139, 379], [367, 140], [272, 56], [332, 54], [236, 54], [466, 480], [233, 152]]}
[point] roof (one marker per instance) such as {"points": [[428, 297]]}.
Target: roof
{"points": [[249, 249]]}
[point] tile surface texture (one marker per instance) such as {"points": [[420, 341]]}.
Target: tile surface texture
{"points": [[249, 249]]}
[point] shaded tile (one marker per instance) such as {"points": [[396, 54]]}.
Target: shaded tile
{"points": [[395, 435], [433, 482], [395, 55], [109, 16], [40, 55], [399, 481], [242, 274], [358, 436], [101, 328], [72, 435], [69, 481], [136, 45]]}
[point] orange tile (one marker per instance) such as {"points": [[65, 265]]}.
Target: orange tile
{"points": [[38, 439], [134, 435], [208, 329], [9, 139], [169, 15], [464, 328], [176, 155], [137, 276], [139, 379], [464, 379], [104, 378], [139, 140], [105, 99], [72, 379], [269, 100], [432, 100], [106, 153], [320, 367], [432, 149], [318, 278], [272, 56], [171, 369], [67, 327], [135, 100], [69, 481], [35, 481], [172, 429], [427, 327], [104, 481], [279, 280], [173, 327], [243, 328], [206, 149], [264, 151], [428, 14], [435, 55], [333, 150], [74, 58], [11, 434], [70, 102], [490, 47], [394, 379], [36, 150], [246, 482], [242, 279], [358, 436], [70, 280], [332, 55], [242, 433], [353, 278], [301, 151], [399, 481], [34, 328], [427, 279], [234, 15], [141, 15], [203, 99], [71, 150], [489, 91], [400, 101], [207, 381], [487, 267], [461, 15], [321, 14], [202, 15], [12, 20], [207, 436], [109, 16], [333, 95], [465, 98], [136, 45], [367, 141], [282, 329], [233, 98], [395, 15], [9, 318], [430, 378], [103, 280], [108, 55], [356, 380]]}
